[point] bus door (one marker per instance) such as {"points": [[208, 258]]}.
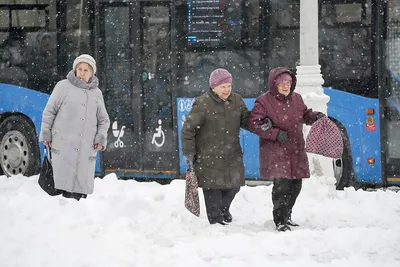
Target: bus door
{"points": [[134, 49], [391, 94]]}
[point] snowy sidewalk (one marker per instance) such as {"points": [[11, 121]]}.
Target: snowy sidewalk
{"points": [[128, 223]]}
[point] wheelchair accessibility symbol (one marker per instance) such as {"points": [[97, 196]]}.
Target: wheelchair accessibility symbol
{"points": [[158, 136], [118, 134]]}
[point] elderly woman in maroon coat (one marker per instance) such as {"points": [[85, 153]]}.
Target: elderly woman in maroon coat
{"points": [[282, 147]]}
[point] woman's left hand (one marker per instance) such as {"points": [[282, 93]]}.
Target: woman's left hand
{"points": [[320, 115], [98, 147]]}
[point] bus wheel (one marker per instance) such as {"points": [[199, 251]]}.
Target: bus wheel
{"points": [[343, 167], [19, 149], [163, 181]]}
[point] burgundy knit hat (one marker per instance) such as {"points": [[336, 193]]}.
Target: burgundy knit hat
{"points": [[284, 77], [219, 76]]}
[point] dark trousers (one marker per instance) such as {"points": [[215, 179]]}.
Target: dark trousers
{"points": [[218, 201], [284, 195]]}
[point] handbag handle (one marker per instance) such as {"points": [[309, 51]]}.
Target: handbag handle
{"points": [[189, 165], [45, 151]]}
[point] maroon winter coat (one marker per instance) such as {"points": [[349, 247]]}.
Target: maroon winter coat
{"points": [[288, 160]]}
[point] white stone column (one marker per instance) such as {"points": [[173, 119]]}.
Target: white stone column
{"points": [[309, 77]]}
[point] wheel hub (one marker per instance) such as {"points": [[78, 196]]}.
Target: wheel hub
{"points": [[338, 169], [14, 153]]}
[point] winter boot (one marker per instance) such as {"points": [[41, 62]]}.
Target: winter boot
{"points": [[216, 220], [282, 227], [223, 223], [291, 223], [220, 221], [227, 217], [76, 196]]}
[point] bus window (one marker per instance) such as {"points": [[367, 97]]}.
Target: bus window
{"points": [[12, 57], [76, 34], [283, 37], [218, 35], [42, 67], [28, 55], [345, 46]]}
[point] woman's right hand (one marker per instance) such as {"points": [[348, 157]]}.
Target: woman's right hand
{"points": [[47, 143]]}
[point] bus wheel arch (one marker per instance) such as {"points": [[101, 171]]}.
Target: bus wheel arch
{"points": [[343, 167], [19, 147]]}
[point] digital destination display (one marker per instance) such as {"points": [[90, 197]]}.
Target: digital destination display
{"points": [[212, 22]]}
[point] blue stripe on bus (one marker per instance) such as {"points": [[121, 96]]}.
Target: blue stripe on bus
{"points": [[344, 107]]}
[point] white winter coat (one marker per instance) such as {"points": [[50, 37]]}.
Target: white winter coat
{"points": [[75, 119]]}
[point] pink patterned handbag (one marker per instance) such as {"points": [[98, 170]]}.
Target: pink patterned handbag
{"points": [[192, 202], [325, 139]]}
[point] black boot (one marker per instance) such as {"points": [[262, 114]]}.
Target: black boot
{"points": [[222, 223], [283, 227], [227, 216], [76, 196], [219, 220], [291, 223]]}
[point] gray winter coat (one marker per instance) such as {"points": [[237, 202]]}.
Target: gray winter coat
{"points": [[74, 120]]}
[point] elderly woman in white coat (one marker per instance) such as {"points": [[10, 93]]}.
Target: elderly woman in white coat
{"points": [[74, 125]]}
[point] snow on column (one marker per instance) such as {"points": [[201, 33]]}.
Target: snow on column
{"points": [[309, 77]]}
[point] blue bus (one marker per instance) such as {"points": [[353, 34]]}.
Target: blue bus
{"points": [[154, 57]]}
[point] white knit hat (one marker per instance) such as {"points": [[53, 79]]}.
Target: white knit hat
{"points": [[86, 59]]}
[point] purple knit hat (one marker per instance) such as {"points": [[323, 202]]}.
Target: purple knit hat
{"points": [[284, 77], [219, 76]]}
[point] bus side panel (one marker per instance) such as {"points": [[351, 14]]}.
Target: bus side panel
{"points": [[350, 110], [248, 141], [30, 103], [16, 99], [250, 148], [183, 105]]}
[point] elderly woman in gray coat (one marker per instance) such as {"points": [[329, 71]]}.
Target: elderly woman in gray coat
{"points": [[74, 125]]}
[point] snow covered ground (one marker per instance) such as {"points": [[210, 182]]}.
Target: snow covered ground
{"points": [[129, 223]]}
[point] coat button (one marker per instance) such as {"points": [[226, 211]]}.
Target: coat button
{"points": [[80, 135], [83, 105], [83, 119], [77, 149]]}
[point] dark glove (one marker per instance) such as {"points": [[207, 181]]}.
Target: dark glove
{"points": [[320, 115], [282, 136], [267, 124]]}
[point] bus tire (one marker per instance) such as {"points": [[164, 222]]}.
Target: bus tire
{"points": [[164, 181], [343, 167], [19, 148]]}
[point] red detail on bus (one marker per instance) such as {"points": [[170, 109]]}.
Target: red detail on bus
{"points": [[370, 127]]}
